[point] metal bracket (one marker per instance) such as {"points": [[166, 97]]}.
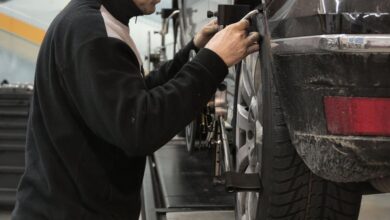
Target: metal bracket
{"points": [[234, 181], [242, 182], [229, 14], [166, 12]]}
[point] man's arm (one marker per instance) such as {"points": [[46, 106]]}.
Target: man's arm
{"points": [[169, 69], [105, 86], [109, 93]]}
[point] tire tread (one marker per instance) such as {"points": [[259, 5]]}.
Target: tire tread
{"points": [[296, 192]]}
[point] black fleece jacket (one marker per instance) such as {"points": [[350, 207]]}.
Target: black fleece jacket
{"points": [[94, 117]]}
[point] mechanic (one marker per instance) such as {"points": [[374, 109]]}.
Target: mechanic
{"points": [[94, 116]]}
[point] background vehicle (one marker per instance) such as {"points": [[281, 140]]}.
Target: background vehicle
{"points": [[309, 114]]}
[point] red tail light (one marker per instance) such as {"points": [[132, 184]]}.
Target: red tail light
{"points": [[358, 116]]}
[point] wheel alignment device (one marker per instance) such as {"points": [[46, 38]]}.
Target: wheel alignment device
{"points": [[234, 181]]}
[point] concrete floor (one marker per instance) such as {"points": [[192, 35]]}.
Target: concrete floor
{"points": [[4, 215], [214, 215], [374, 207]]}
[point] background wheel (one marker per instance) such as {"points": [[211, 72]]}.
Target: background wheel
{"points": [[290, 189], [191, 134]]}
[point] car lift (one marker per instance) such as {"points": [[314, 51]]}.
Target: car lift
{"points": [[177, 182]]}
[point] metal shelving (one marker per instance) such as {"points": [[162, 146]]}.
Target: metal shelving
{"points": [[14, 105]]}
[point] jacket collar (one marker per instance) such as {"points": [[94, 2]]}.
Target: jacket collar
{"points": [[122, 10]]}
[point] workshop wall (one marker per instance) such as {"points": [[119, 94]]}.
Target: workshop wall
{"points": [[23, 24]]}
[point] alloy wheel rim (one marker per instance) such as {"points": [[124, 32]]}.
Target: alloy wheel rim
{"points": [[249, 133]]}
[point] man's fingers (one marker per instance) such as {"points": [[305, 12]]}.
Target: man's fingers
{"points": [[214, 21], [211, 27], [252, 38], [241, 25], [252, 49]]}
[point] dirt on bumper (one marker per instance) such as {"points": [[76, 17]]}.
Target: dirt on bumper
{"points": [[344, 158]]}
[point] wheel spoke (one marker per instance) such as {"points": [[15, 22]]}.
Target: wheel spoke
{"points": [[245, 96], [241, 196], [242, 158], [248, 83], [253, 199], [252, 155], [242, 118]]}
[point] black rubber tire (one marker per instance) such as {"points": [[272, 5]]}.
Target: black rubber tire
{"points": [[291, 190]]}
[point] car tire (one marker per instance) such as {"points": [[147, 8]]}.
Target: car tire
{"points": [[289, 189]]}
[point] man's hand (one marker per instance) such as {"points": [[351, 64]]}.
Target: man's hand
{"points": [[204, 35], [232, 44]]}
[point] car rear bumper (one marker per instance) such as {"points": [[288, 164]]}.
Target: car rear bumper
{"points": [[309, 69]]}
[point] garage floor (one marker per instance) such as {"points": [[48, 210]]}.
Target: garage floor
{"points": [[4, 215], [373, 207]]}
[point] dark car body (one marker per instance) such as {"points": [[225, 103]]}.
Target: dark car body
{"points": [[327, 57], [330, 53]]}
